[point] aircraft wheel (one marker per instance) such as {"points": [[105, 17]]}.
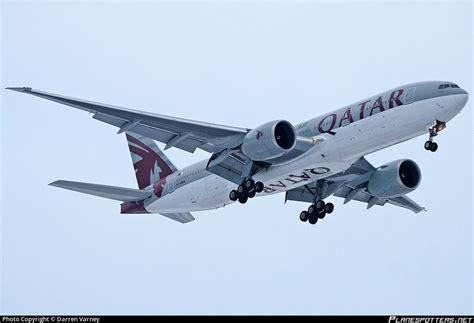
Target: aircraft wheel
{"points": [[434, 147], [312, 209], [243, 199], [259, 187], [428, 145], [304, 216], [319, 205], [252, 194], [329, 207], [313, 219], [241, 189], [233, 195], [249, 184], [321, 214]]}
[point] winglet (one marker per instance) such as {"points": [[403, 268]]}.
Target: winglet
{"points": [[19, 89]]}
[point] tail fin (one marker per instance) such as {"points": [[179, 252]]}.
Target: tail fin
{"points": [[149, 161]]}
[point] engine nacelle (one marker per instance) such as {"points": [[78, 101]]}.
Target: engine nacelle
{"points": [[271, 140], [395, 178]]}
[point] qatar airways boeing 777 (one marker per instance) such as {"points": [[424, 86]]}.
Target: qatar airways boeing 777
{"points": [[308, 161]]}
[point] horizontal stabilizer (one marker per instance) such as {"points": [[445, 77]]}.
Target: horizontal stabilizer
{"points": [[105, 191], [180, 217]]}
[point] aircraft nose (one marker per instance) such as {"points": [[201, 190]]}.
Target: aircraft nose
{"points": [[462, 99]]}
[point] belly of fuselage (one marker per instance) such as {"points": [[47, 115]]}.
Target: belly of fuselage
{"points": [[208, 193]]}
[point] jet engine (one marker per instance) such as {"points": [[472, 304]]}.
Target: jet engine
{"points": [[271, 140], [395, 178]]}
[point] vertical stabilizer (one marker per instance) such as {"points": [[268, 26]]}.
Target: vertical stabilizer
{"points": [[149, 162]]}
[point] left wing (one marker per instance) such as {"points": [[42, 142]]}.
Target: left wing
{"points": [[174, 132], [223, 141], [350, 185]]}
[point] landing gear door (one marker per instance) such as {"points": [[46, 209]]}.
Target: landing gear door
{"points": [[410, 95]]}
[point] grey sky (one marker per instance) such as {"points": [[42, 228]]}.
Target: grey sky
{"points": [[238, 64]]}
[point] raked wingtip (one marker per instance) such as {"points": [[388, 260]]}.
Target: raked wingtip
{"points": [[19, 89], [55, 183]]}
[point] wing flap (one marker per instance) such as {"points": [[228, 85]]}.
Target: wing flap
{"points": [[105, 191], [361, 195], [406, 202]]}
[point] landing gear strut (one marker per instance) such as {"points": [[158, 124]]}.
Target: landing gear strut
{"points": [[430, 144], [317, 210], [246, 190]]}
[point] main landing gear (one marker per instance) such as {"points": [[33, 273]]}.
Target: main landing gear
{"points": [[246, 190], [317, 210], [430, 144]]}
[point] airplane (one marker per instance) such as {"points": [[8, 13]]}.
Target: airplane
{"points": [[309, 161]]}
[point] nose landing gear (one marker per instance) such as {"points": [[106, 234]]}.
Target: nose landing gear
{"points": [[431, 146], [246, 190], [437, 127]]}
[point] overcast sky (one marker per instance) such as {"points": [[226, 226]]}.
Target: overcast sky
{"points": [[239, 64]]}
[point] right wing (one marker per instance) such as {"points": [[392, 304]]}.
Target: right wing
{"points": [[350, 185], [174, 132]]}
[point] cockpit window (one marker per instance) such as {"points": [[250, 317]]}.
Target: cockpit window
{"points": [[445, 86]]}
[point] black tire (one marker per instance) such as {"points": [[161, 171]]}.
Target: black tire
{"points": [[329, 207], [259, 187], [252, 194], [321, 214], [249, 184], [233, 195], [313, 219], [243, 199], [304, 216], [311, 209], [434, 147], [319, 205], [241, 189], [428, 145]]}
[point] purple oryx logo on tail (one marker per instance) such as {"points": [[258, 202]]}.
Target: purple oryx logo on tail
{"points": [[149, 166]]}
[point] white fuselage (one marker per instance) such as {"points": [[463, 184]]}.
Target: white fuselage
{"points": [[194, 189]]}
